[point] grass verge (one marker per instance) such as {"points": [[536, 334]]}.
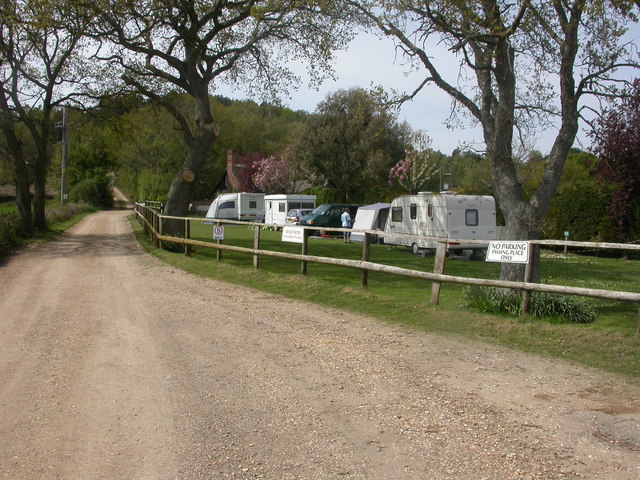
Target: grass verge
{"points": [[59, 218], [610, 343]]}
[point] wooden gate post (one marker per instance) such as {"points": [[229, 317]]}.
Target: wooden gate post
{"points": [[160, 228], [256, 246], [364, 273], [305, 250], [218, 251], [438, 267], [528, 276], [187, 234]]}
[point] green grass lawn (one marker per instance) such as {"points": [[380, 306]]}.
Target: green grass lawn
{"points": [[610, 343]]}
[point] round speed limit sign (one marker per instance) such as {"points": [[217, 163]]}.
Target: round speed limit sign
{"points": [[218, 232]]}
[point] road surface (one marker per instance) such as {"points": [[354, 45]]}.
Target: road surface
{"points": [[115, 366]]}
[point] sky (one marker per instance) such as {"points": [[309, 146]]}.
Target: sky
{"points": [[371, 61], [368, 62]]}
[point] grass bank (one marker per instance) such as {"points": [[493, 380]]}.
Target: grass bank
{"points": [[59, 218], [610, 343]]}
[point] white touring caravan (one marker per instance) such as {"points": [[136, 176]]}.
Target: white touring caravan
{"points": [[237, 206], [442, 215], [277, 206]]}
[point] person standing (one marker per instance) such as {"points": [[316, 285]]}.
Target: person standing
{"points": [[345, 218]]}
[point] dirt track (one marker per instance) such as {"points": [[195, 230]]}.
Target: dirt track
{"points": [[115, 366]]}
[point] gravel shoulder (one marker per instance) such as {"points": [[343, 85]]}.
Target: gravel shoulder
{"points": [[113, 365]]}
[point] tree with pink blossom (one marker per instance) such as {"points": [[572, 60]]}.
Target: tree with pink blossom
{"points": [[417, 171], [279, 174]]}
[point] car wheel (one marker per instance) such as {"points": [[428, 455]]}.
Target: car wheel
{"points": [[414, 248]]}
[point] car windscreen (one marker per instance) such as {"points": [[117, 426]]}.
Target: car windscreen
{"points": [[321, 209]]}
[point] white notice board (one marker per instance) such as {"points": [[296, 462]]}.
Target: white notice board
{"points": [[293, 234], [506, 251]]}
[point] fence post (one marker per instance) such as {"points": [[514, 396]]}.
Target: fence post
{"points": [[256, 246], [438, 267], [528, 276], [152, 226], [187, 235], [218, 251], [364, 273], [305, 250], [160, 228]]}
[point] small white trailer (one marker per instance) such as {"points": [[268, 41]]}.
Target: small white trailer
{"points": [[441, 215], [277, 206], [370, 217], [237, 206]]}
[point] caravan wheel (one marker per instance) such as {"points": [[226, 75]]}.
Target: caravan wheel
{"points": [[414, 248]]}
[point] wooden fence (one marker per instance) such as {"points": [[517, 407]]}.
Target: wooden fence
{"points": [[153, 223]]}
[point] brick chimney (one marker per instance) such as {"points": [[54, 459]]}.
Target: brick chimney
{"points": [[232, 171]]}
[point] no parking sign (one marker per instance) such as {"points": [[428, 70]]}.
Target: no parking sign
{"points": [[508, 252], [218, 232]]}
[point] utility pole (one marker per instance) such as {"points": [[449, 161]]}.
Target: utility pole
{"points": [[63, 161], [446, 183]]}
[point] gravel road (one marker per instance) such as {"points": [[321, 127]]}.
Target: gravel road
{"points": [[115, 366]]}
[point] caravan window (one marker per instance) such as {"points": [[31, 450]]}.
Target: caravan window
{"points": [[413, 211], [304, 205], [253, 204], [471, 217], [396, 214], [281, 207], [430, 210], [229, 204]]}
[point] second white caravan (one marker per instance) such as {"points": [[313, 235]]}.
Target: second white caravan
{"points": [[277, 206], [441, 215], [237, 206]]}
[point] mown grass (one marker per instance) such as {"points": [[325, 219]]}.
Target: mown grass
{"points": [[610, 343]]}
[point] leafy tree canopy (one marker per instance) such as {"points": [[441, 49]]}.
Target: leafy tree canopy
{"points": [[617, 146], [351, 142]]}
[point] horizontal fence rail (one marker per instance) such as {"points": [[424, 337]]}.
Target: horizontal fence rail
{"points": [[153, 224]]}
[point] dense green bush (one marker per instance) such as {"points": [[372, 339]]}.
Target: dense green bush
{"points": [[57, 213], [153, 186], [544, 305], [571, 309], [581, 209], [95, 191], [9, 232]]}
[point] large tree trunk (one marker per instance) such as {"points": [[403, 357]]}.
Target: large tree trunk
{"points": [[200, 144], [20, 170], [523, 218], [21, 178], [521, 224], [23, 195], [39, 190]]}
